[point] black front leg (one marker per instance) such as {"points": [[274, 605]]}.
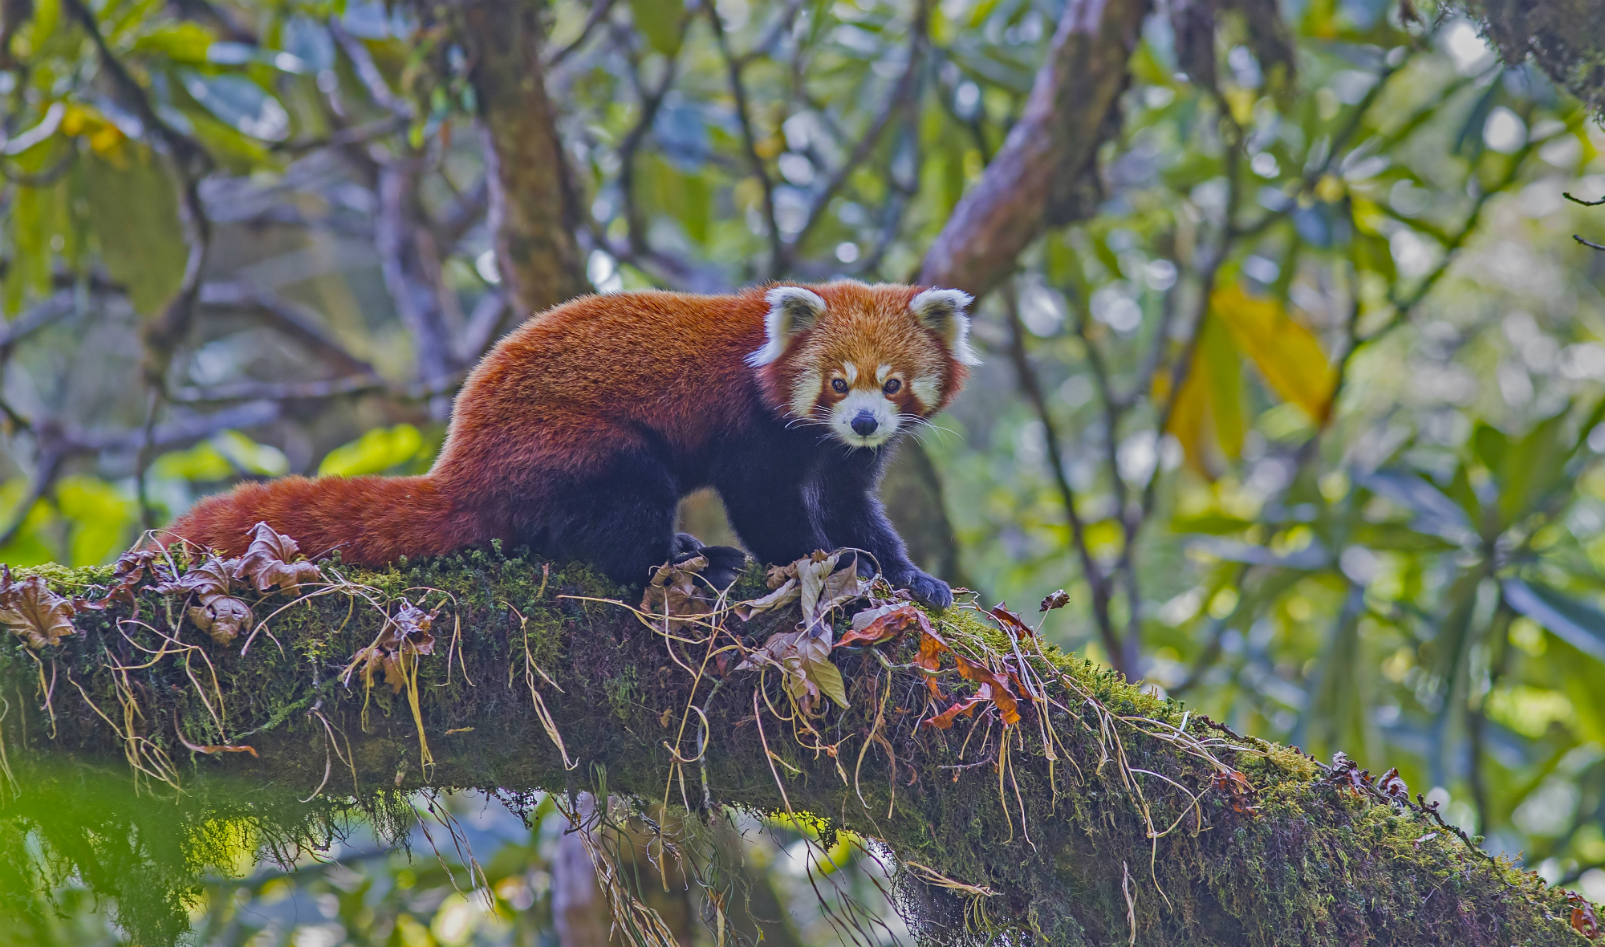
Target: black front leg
{"points": [[852, 514], [770, 505]]}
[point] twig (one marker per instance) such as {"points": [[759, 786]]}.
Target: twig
{"points": [[749, 140], [287, 317], [919, 40], [1031, 387], [599, 13]]}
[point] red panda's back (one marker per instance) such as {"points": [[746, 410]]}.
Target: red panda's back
{"points": [[565, 387]]}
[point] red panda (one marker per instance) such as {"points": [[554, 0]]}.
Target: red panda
{"points": [[580, 431]]}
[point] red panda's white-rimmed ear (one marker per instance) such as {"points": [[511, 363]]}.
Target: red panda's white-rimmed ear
{"points": [[791, 310], [943, 312]]}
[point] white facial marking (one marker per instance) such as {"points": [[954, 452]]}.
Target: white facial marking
{"points": [[805, 395], [943, 311], [864, 406], [791, 309], [851, 371], [927, 390], [882, 372]]}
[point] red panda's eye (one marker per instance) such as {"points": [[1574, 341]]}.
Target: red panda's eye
{"points": [[840, 386], [892, 386]]}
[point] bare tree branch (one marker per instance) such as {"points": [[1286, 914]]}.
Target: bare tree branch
{"points": [[285, 316], [1040, 177]]}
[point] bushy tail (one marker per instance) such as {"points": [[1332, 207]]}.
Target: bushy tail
{"points": [[371, 520]]}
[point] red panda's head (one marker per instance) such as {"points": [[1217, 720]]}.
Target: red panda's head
{"points": [[864, 361]]}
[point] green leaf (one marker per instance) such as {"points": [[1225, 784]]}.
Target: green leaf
{"points": [[1530, 467], [182, 42], [1434, 512], [374, 452], [1573, 621], [100, 518], [829, 679], [46, 14], [1225, 379], [31, 218], [1489, 444], [659, 22], [251, 457], [202, 463], [133, 213]]}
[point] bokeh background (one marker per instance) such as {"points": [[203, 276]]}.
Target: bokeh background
{"points": [[1303, 408]]}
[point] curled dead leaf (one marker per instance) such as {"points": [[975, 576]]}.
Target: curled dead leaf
{"points": [[33, 612], [803, 659], [407, 635], [1348, 774], [1585, 918], [883, 623], [1011, 621], [129, 570], [222, 617], [1058, 598], [784, 594], [267, 562], [1237, 788], [962, 708], [676, 594], [1392, 785], [219, 613]]}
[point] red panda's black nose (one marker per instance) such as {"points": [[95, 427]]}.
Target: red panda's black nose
{"points": [[865, 424]]}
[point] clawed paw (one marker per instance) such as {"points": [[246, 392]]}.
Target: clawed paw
{"points": [[724, 562], [926, 589]]}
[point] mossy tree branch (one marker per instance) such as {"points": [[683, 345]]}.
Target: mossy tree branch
{"points": [[1287, 854]]}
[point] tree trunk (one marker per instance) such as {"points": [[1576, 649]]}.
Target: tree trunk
{"points": [[534, 204], [995, 831]]}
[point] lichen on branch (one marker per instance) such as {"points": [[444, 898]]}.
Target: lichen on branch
{"points": [[1022, 791]]}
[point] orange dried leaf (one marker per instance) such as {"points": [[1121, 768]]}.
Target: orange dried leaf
{"points": [[1012, 621], [1585, 919], [963, 708], [883, 624]]}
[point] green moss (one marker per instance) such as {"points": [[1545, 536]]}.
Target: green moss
{"points": [[1059, 840]]}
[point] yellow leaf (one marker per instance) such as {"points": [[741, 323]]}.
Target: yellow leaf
{"points": [[1287, 354], [1222, 371], [1208, 418]]}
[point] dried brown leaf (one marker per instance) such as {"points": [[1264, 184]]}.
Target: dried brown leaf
{"points": [[407, 634], [1392, 785], [267, 562], [675, 593], [1012, 621], [34, 613], [784, 594], [883, 623], [223, 617], [1585, 918], [1058, 598], [963, 708]]}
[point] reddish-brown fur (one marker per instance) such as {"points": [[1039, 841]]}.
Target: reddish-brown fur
{"points": [[561, 396]]}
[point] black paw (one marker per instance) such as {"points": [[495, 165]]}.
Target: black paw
{"points": [[684, 546], [926, 589], [724, 564]]}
